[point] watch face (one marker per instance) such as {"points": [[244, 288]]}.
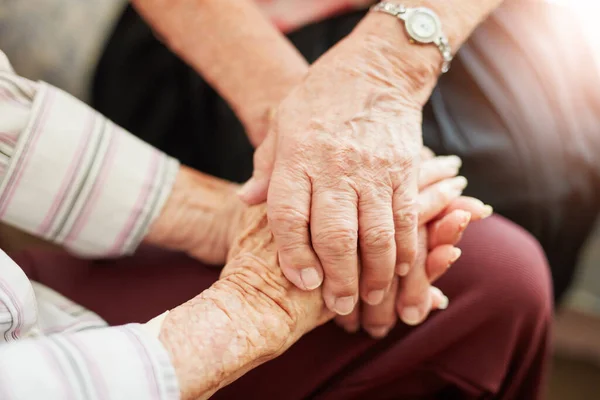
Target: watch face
{"points": [[423, 25]]}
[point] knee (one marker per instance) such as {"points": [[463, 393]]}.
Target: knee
{"points": [[506, 275]]}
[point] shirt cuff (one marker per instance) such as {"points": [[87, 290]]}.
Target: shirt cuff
{"points": [[119, 363], [77, 179]]}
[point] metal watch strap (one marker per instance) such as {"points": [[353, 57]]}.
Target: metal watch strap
{"points": [[440, 41]]}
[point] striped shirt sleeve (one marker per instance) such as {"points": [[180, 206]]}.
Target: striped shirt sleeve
{"points": [[119, 363], [71, 176]]}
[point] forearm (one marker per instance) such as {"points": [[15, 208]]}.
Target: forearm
{"points": [[85, 184], [235, 48], [211, 343], [250, 316], [381, 40], [242, 321], [199, 217]]}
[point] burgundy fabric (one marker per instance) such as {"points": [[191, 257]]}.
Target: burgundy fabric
{"points": [[492, 342]]}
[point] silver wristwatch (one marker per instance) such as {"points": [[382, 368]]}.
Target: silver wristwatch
{"points": [[422, 25]]}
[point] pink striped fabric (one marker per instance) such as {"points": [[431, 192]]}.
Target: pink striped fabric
{"points": [[69, 175]]}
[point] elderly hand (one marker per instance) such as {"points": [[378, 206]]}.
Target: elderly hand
{"points": [[202, 213], [443, 218], [253, 313], [342, 185]]}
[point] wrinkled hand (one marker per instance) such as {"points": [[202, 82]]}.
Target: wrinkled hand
{"points": [[289, 312], [253, 313], [346, 151], [443, 218], [252, 261], [249, 316]]}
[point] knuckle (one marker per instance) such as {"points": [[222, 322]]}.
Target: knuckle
{"points": [[378, 239], [404, 164], [407, 253], [415, 296], [342, 285], [379, 326], [336, 242], [292, 245], [345, 161], [406, 216], [381, 280], [297, 255], [343, 157], [402, 171], [288, 218]]}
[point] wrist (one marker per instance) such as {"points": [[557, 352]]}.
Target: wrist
{"points": [[385, 50], [206, 347], [220, 335], [198, 217], [256, 114], [418, 66]]}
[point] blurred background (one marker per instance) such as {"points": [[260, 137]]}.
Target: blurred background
{"points": [[31, 30]]}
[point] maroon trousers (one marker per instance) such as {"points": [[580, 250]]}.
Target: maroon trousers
{"points": [[492, 342]]}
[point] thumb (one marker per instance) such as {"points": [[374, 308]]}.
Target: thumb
{"points": [[255, 190]]}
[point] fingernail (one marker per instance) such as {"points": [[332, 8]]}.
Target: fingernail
{"points": [[487, 211], [454, 187], [444, 302], [454, 161], [403, 269], [310, 278], [460, 182], [378, 332], [455, 255], [466, 216], [375, 297], [411, 316], [343, 305]]}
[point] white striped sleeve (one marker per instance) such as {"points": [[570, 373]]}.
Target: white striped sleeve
{"points": [[73, 177], [119, 363]]}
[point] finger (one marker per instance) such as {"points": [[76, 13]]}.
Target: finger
{"points": [[288, 211], [437, 197], [334, 233], [438, 169], [426, 153], [405, 211], [414, 303], [439, 260], [449, 229], [255, 190], [475, 207], [377, 244], [378, 320], [439, 301], [351, 322]]}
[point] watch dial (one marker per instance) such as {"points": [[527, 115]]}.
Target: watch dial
{"points": [[422, 26]]}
